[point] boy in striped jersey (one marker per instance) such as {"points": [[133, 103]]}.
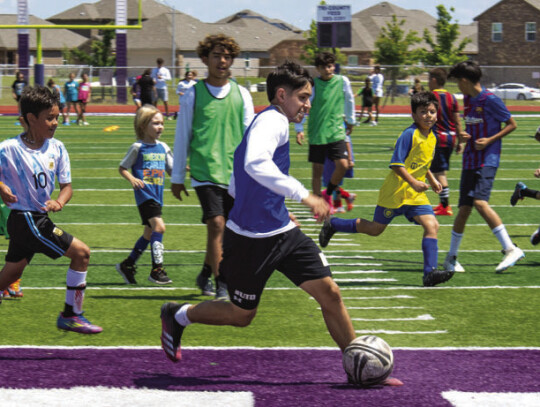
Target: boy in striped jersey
{"points": [[29, 164], [448, 125], [484, 114]]}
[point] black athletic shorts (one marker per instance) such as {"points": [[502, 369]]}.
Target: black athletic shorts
{"points": [[441, 159], [476, 184], [334, 151], [248, 263], [148, 210], [34, 232], [215, 201]]}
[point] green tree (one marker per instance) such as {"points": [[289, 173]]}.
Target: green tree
{"points": [[100, 53], [311, 49], [393, 48], [443, 51]]}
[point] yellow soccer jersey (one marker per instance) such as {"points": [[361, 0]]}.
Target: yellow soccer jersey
{"points": [[414, 152]]}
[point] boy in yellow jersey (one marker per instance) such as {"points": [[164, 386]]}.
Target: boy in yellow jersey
{"points": [[332, 101], [404, 190]]}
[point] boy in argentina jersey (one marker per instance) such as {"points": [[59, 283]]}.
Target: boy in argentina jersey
{"points": [[404, 189], [264, 237], [29, 164], [149, 159], [484, 114]]}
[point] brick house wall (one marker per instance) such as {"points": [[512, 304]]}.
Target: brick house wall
{"points": [[513, 49]]}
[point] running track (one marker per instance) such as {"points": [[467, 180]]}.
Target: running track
{"points": [[276, 377]]}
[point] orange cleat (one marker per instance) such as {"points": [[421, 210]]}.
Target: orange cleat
{"points": [[442, 211]]}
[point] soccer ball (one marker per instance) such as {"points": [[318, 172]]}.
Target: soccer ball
{"points": [[368, 360]]}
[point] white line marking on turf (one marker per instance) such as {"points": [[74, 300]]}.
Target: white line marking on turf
{"points": [[360, 272], [396, 307], [472, 399], [353, 264], [424, 317], [350, 257], [363, 280], [384, 331], [389, 297], [101, 396]]}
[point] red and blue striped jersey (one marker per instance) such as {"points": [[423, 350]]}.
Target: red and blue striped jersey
{"points": [[483, 116], [445, 129]]}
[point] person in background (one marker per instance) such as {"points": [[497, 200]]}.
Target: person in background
{"points": [[161, 75], [85, 94], [57, 91], [71, 90]]}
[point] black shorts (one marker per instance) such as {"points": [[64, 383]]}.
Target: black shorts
{"points": [[476, 184], [148, 210], [441, 159], [334, 151], [34, 232], [248, 263], [215, 201], [61, 107]]}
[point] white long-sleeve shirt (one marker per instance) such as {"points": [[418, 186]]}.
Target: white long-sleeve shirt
{"points": [[184, 134]]}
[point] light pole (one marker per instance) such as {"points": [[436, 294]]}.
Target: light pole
{"points": [[173, 40]]}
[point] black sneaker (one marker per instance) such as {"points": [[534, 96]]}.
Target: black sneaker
{"points": [[535, 237], [326, 233], [516, 196], [221, 291], [159, 276], [436, 277], [171, 331], [127, 270], [205, 284]]}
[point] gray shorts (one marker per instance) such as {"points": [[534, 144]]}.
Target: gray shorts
{"points": [[162, 94]]}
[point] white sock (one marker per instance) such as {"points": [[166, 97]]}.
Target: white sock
{"points": [[181, 315], [504, 239], [454, 243], [75, 297]]}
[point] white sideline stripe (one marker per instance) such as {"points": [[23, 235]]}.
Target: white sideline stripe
{"points": [[360, 272], [350, 257], [100, 396], [473, 399], [203, 225], [397, 307], [384, 331], [354, 264], [424, 317], [420, 251], [296, 288], [389, 297], [362, 280], [277, 348]]}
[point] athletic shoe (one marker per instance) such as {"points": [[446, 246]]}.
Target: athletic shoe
{"points": [[451, 264], [326, 233], [373, 123], [206, 285], [77, 323], [350, 201], [1, 296], [516, 196], [86, 124], [171, 331], [127, 270], [440, 210], [5, 293], [159, 276], [510, 258], [535, 237], [14, 290], [436, 277], [340, 209], [66, 123], [221, 291], [327, 198]]}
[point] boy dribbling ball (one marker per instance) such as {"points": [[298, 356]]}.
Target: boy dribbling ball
{"points": [[148, 159], [29, 164]]}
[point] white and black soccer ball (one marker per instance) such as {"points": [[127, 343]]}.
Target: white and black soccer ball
{"points": [[368, 360]]}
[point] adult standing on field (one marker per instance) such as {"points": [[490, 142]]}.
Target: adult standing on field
{"points": [[147, 88], [377, 80], [161, 75], [213, 116]]}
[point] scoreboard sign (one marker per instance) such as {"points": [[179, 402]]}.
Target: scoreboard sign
{"points": [[334, 26]]}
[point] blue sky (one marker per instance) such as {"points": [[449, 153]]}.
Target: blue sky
{"points": [[297, 12]]}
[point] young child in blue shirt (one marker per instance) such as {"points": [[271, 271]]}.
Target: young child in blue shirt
{"points": [[149, 159], [403, 191], [71, 91]]}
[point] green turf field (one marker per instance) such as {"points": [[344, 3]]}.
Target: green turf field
{"points": [[380, 277]]}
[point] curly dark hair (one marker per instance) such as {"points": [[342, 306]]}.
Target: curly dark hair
{"points": [[36, 99], [222, 40]]}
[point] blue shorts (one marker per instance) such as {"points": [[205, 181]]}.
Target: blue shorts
{"points": [[441, 159], [385, 215], [476, 185]]}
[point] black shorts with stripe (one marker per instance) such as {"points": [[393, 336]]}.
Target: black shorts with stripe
{"points": [[34, 232], [249, 262]]}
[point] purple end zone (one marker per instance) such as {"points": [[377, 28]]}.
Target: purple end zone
{"points": [[275, 377]]}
